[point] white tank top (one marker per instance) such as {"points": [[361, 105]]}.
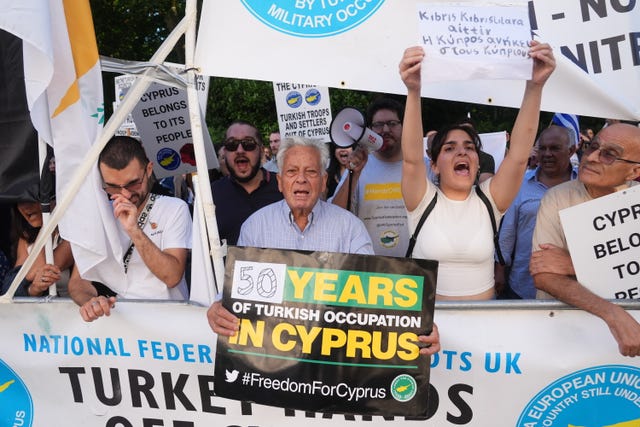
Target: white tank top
{"points": [[459, 235]]}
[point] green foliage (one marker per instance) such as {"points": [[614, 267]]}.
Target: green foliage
{"points": [[253, 101]]}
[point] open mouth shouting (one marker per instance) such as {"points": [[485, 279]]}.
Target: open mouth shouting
{"points": [[343, 156], [462, 168], [242, 164], [301, 194]]}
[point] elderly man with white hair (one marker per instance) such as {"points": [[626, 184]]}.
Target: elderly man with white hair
{"points": [[303, 221]]}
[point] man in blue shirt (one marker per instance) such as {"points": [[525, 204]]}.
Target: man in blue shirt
{"points": [[302, 220], [555, 148]]}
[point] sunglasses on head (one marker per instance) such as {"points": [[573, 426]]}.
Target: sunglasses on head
{"points": [[248, 144]]}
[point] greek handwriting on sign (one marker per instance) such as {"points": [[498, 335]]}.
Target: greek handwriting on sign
{"points": [[501, 32]]}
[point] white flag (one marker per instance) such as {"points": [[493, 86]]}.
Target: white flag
{"points": [[64, 93]]}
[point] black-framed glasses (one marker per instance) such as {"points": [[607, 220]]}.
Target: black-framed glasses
{"points": [[606, 155], [113, 189], [248, 144], [391, 124]]}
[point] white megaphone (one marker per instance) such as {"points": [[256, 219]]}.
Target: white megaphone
{"points": [[347, 128]]}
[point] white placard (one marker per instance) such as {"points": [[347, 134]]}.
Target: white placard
{"points": [[474, 42], [494, 143], [162, 120], [259, 281], [603, 236], [303, 110], [122, 85]]}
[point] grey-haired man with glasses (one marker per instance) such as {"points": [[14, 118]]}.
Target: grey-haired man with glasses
{"points": [[248, 186], [155, 231], [610, 163]]}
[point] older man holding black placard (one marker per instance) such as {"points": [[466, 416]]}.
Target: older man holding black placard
{"points": [[303, 221]]}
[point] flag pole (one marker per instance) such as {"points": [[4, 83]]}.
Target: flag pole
{"points": [[90, 159], [204, 187], [46, 212]]}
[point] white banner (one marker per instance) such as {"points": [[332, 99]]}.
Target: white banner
{"points": [[357, 44], [151, 364]]}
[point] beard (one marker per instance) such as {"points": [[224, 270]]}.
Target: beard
{"points": [[243, 179]]}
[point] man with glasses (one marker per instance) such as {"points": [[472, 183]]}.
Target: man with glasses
{"points": [[375, 183], [248, 186], [155, 231], [304, 222], [610, 163]]}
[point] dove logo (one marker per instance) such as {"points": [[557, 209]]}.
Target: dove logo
{"points": [[16, 406], [232, 376]]}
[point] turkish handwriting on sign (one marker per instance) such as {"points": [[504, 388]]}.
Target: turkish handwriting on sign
{"points": [[474, 42]]}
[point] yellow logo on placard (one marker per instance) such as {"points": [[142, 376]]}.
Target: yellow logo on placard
{"points": [[385, 191]]}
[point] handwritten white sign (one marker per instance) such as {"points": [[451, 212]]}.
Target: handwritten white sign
{"points": [[603, 236], [474, 42]]}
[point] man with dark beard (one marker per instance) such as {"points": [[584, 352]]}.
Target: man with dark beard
{"points": [[248, 186], [155, 231]]}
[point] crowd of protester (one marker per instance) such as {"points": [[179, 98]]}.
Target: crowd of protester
{"points": [[445, 203]]}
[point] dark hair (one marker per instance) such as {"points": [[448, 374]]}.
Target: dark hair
{"points": [[245, 123], [333, 170], [120, 151], [20, 229], [384, 104], [440, 138], [466, 121]]}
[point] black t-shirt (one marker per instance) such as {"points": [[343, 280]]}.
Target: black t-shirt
{"points": [[234, 205]]}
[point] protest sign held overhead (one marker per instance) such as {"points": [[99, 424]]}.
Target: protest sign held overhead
{"points": [[464, 42], [303, 110], [357, 45], [341, 330], [603, 236], [122, 85]]}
